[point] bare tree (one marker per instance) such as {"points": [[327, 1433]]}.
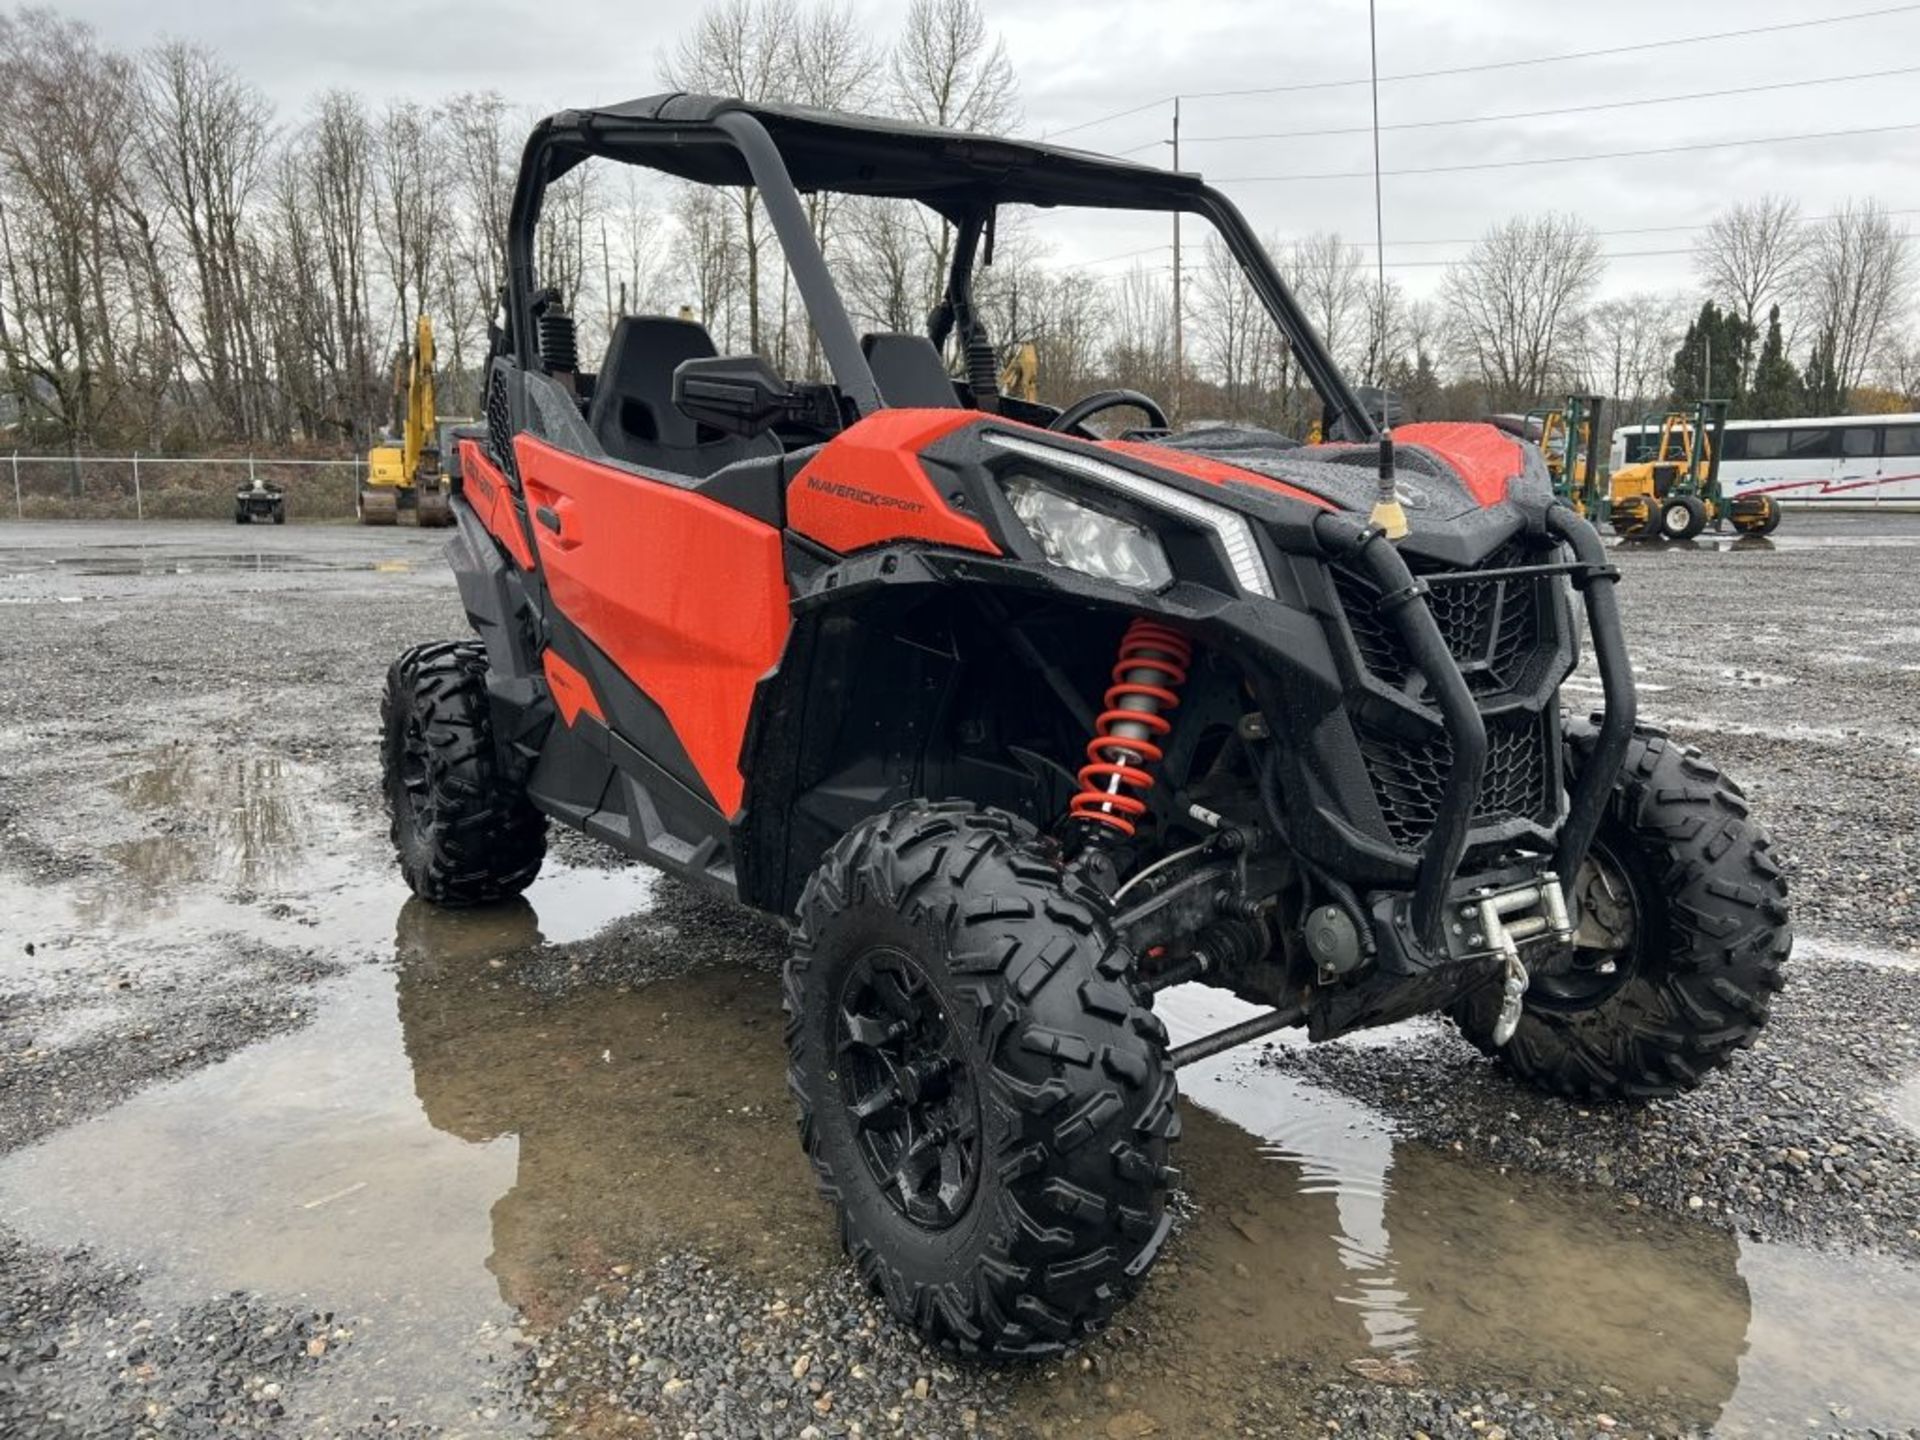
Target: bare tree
{"points": [[1857, 279], [330, 184], [1629, 346], [1331, 286], [740, 48], [410, 166], [710, 260], [1749, 253], [884, 267], [1387, 337], [569, 214], [1140, 352], [204, 140], [1903, 371], [947, 69], [67, 113], [1230, 323], [475, 198], [835, 66], [1514, 301]]}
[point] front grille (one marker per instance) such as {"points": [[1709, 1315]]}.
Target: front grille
{"points": [[1492, 627], [1410, 778], [1499, 636]]}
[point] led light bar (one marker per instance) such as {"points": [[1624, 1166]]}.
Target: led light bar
{"points": [[1235, 534]]}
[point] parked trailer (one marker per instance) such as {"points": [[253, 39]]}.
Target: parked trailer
{"points": [[1837, 461]]}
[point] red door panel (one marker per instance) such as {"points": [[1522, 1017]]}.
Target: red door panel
{"points": [[688, 597]]}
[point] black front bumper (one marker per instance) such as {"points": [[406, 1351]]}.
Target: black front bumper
{"points": [[1411, 951]]}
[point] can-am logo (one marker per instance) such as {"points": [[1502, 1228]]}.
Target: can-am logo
{"points": [[863, 497]]}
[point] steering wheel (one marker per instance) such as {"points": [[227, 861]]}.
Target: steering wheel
{"points": [[1075, 416]]}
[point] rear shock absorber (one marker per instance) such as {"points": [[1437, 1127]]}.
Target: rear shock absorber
{"points": [[1153, 664]]}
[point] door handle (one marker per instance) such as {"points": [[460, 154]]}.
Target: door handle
{"points": [[551, 511]]}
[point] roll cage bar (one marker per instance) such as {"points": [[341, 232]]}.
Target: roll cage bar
{"points": [[782, 150]]}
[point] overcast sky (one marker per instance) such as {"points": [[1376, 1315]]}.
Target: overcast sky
{"points": [[1079, 59]]}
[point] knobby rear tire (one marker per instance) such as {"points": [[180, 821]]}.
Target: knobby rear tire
{"points": [[465, 833]]}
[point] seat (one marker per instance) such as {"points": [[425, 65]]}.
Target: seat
{"points": [[910, 372], [632, 413]]}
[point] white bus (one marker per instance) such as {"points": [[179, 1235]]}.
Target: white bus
{"points": [[1841, 460]]}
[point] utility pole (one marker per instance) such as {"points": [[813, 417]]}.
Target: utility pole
{"points": [[1179, 327]]}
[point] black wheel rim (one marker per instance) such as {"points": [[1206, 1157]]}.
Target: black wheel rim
{"points": [[1613, 909], [908, 1088]]}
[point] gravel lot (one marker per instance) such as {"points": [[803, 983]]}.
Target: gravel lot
{"points": [[282, 1152]]}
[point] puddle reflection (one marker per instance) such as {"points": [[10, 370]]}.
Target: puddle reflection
{"points": [[443, 1148]]}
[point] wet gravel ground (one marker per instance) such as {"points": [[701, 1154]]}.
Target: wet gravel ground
{"points": [[1810, 698], [1796, 1142], [81, 1354], [1808, 695]]}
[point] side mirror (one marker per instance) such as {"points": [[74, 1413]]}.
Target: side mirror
{"points": [[740, 394]]}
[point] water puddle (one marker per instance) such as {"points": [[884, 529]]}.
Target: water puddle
{"points": [[1753, 679], [1521, 1281], [251, 844], [449, 1151], [1783, 539], [442, 1151], [161, 561]]}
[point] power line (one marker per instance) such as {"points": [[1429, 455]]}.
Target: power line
{"points": [[1567, 159], [1644, 45], [1424, 264], [1638, 48], [1363, 245], [1125, 255], [1630, 230], [1743, 90], [1116, 115]]}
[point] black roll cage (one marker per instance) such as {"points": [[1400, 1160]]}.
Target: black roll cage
{"points": [[964, 177]]}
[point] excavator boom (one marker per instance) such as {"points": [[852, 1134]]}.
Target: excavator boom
{"points": [[406, 475]]}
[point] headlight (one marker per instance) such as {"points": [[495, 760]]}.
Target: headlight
{"points": [[1229, 526], [1081, 538]]}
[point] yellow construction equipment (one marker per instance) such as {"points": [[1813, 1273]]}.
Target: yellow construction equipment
{"points": [[1570, 439], [406, 476], [1676, 494], [1020, 376]]}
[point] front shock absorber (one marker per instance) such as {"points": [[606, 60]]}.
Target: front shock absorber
{"points": [[1153, 664]]}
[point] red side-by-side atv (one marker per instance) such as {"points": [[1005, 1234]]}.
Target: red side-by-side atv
{"points": [[1021, 726]]}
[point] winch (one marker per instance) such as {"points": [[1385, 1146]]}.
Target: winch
{"points": [[1493, 923]]}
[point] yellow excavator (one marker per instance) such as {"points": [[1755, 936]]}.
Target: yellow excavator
{"points": [[1020, 375], [406, 477]]}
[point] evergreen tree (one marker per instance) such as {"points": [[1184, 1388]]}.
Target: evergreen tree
{"points": [[1776, 392], [1417, 385], [1730, 340], [1821, 392]]}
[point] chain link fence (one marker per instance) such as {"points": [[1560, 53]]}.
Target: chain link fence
{"points": [[148, 487]]}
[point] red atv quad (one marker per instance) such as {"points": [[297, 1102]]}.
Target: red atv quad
{"points": [[1022, 726]]}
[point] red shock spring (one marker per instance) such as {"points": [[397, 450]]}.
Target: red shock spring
{"points": [[1153, 663]]}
